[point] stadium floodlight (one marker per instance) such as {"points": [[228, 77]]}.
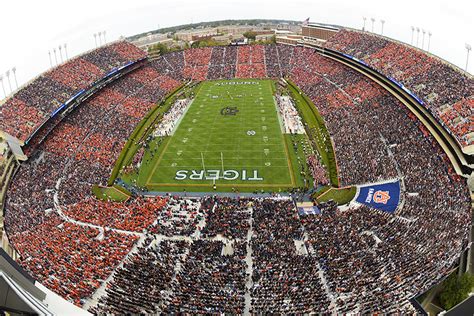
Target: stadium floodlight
{"points": [[429, 39], [65, 50], [14, 76], [61, 53], [9, 83], [383, 22], [412, 31], [423, 40], [100, 38], [417, 35], [105, 41], [50, 61], [55, 56], [95, 39], [3, 87], [373, 21], [468, 48], [363, 28]]}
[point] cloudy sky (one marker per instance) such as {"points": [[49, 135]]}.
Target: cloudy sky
{"points": [[29, 29]]}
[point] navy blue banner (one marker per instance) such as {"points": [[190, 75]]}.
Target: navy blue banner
{"points": [[312, 210], [384, 196]]}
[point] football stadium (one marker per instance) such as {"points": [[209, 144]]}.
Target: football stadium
{"points": [[325, 172]]}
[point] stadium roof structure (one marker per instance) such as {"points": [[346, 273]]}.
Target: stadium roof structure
{"points": [[17, 300], [466, 307], [18, 293]]}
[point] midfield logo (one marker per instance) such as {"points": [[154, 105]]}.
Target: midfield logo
{"points": [[229, 110]]}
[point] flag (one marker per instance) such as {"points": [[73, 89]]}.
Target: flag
{"points": [[313, 210], [305, 22]]}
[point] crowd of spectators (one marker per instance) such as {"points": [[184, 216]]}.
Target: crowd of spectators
{"points": [[209, 282], [228, 219], [134, 215], [367, 129], [440, 85], [272, 63], [79, 153], [171, 117], [69, 259], [437, 83], [318, 172], [291, 119], [180, 217], [138, 286], [251, 62], [24, 112], [197, 255], [371, 260], [284, 279], [196, 63]]}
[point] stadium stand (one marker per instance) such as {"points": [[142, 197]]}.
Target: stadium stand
{"points": [[442, 87], [222, 255], [33, 104]]}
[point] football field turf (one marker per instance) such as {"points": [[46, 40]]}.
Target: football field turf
{"points": [[230, 135]]}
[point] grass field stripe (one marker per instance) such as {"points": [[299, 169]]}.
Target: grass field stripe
{"points": [[290, 169], [288, 161], [158, 161], [227, 144]]}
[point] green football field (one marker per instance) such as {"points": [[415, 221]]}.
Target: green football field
{"points": [[230, 135]]}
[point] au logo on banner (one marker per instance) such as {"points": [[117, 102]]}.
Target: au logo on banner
{"points": [[383, 196]]}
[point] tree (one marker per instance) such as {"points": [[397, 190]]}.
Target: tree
{"points": [[160, 47], [456, 290], [250, 35], [195, 44]]}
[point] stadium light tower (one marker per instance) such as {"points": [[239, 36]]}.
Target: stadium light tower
{"points": [[50, 61], [417, 35], [95, 39], [468, 48], [55, 56], [100, 38], [383, 22], [105, 41], [14, 76], [363, 28], [423, 40], [412, 31], [10, 84], [61, 53], [429, 39], [65, 51], [373, 21], [3, 87]]}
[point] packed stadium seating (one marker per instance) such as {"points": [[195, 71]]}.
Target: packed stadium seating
{"points": [[358, 260], [33, 104], [440, 85]]}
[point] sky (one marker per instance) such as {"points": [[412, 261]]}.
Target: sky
{"points": [[29, 29]]}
